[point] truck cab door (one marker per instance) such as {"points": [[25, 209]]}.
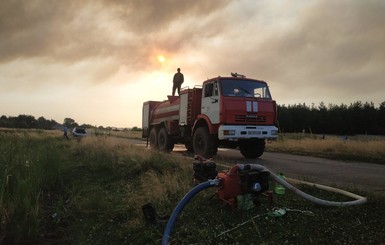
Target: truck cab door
{"points": [[211, 101]]}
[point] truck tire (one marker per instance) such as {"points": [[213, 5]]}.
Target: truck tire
{"points": [[204, 143], [165, 143], [189, 147], [252, 149], [153, 138]]}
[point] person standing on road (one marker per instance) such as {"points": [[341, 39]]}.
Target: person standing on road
{"points": [[177, 82]]}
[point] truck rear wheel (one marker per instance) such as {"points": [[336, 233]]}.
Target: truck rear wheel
{"points": [[252, 149], [165, 143], [153, 138], [189, 147], [204, 143]]}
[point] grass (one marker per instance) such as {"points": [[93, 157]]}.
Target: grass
{"points": [[26, 169], [355, 148], [90, 191], [128, 134]]}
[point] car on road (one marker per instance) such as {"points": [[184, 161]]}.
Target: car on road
{"points": [[79, 132]]}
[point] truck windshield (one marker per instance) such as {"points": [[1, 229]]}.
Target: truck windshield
{"points": [[244, 88]]}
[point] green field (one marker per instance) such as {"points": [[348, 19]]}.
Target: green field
{"points": [[91, 191]]}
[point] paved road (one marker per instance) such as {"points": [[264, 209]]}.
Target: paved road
{"points": [[366, 176]]}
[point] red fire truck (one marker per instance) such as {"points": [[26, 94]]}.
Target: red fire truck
{"points": [[224, 112]]}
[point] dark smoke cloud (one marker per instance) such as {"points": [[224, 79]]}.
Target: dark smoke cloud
{"points": [[331, 46], [69, 31], [325, 44]]}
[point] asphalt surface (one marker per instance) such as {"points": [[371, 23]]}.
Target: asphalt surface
{"points": [[368, 177]]}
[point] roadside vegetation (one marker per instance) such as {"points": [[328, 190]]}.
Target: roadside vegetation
{"points": [[91, 191], [361, 148]]}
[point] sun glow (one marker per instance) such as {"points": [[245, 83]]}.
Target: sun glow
{"points": [[161, 59]]}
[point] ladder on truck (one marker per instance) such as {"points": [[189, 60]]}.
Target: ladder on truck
{"points": [[193, 104]]}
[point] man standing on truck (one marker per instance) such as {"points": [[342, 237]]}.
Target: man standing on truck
{"points": [[177, 82]]}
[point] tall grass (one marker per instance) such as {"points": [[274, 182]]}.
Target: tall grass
{"points": [[28, 167], [367, 149], [103, 171], [47, 181]]}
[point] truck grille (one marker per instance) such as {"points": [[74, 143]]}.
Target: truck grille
{"points": [[250, 118]]}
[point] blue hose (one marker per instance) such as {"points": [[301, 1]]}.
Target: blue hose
{"points": [[182, 203]]}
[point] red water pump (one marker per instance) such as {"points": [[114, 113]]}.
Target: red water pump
{"points": [[242, 183]]}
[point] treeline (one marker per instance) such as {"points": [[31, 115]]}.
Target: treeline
{"points": [[27, 121], [356, 118], [30, 122]]}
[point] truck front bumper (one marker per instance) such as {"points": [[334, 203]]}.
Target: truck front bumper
{"points": [[234, 132]]}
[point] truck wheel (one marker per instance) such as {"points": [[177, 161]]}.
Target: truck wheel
{"points": [[153, 139], [252, 149], [165, 143], [189, 147], [204, 143]]}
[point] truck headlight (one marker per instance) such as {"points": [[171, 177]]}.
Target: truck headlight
{"points": [[228, 132], [274, 132]]}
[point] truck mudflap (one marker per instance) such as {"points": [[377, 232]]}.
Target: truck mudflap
{"points": [[247, 132]]}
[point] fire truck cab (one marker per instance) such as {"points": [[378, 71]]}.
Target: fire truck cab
{"points": [[225, 112]]}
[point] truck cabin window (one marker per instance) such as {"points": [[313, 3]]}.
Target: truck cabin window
{"points": [[209, 89], [244, 88]]}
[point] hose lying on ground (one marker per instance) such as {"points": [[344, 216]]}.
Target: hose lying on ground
{"points": [[359, 199], [215, 182], [182, 203]]}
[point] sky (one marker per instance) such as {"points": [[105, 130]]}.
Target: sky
{"points": [[97, 61]]}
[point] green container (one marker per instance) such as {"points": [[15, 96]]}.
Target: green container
{"points": [[278, 188]]}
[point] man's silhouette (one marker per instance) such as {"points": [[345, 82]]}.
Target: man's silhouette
{"points": [[177, 82]]}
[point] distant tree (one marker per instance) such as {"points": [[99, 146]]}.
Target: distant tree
{"points": [[136, 129], [25, 121], [4, 122], [381, 118], [70, 123], [84, 125], [43, 123]]}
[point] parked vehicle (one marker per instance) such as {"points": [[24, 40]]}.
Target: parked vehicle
{"points": [[79, 132], [226, 111]]}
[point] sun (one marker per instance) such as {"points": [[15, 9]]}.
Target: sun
{"points": [[161, 59]]}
